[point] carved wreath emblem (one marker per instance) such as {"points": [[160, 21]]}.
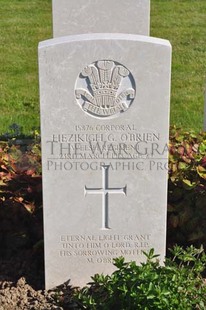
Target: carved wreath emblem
{"points": [[105, 89]]}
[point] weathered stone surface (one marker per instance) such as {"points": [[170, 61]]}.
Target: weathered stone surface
{"points": [[93, 16], [105, 120]]}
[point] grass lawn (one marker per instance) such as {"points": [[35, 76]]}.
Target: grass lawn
{"points": [[24, 23], [183, 23]]}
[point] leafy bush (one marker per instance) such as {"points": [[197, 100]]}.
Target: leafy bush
{"points": [[176, 285], [149, 286], [21, 187], [20, 197], [187, 188]]}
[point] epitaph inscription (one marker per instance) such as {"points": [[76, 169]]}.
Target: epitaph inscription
{"points": [[102, 249], [105, 89]]}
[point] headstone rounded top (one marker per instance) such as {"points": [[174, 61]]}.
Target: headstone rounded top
{"points": [[106, 16]]}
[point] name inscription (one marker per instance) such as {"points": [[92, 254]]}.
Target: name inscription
{"points": [[77, 150]]}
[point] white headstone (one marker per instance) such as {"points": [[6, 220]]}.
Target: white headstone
{"points": [[106, 16], [104, 126]]}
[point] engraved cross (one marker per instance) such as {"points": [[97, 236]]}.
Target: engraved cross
{"points": [[105, 191]]}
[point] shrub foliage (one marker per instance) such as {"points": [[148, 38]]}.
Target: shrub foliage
{"points": [[20, 196], [176, 285], [21, 187], [187, 188]]}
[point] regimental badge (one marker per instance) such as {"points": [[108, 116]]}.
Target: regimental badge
{"points": [[105, 89]]}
